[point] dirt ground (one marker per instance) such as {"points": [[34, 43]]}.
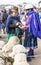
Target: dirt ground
{"points": [[36, 60]]}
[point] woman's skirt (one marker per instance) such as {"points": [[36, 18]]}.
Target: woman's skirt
{"points": [[30, 40], [15, 34]]}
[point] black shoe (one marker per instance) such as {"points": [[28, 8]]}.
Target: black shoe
{"points": [[28, 56], [28, 59]]}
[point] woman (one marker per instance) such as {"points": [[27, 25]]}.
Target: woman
{"points": [[31, 27], [11, 28], [32, 30]]}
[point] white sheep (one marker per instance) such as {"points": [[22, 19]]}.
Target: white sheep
{"points": [[14, 40], [20, 59], [2, 43], [18, 49]]}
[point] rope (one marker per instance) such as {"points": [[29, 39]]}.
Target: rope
{"points": [[35, 56]]}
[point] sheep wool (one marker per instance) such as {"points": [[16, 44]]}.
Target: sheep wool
{"points": [[18, 49], [2, 43], [14, 40], [20, 59], [2, 61]]}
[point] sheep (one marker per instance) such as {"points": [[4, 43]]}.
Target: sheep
{"points": [[18, 49], [14, 40], [20, 59], [2, 61]]}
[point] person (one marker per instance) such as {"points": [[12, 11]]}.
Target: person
{"points": [[32, 19], [11, 27], [0, 21], [10, 12], [4, 20]]}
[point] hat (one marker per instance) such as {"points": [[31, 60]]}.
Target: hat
{"points": [[28, 6]]}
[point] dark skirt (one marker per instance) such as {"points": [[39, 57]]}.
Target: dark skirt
{"points": [[30, 40], [3, 25]]}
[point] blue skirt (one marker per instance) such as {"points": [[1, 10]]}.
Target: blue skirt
{"points": [[30, 40]]}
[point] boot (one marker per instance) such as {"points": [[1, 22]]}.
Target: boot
{"points": [[32, 54], [29, 54]]}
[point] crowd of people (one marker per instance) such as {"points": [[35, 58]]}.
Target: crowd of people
{"points": [[29, 24]]}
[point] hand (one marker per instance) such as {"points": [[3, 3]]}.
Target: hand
{"points": [[21, 27]]}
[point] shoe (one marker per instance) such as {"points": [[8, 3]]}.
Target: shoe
{"points": [[29, 54], [28, 59]]}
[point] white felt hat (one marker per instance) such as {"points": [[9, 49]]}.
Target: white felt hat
{"points": [[28, 6]]}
